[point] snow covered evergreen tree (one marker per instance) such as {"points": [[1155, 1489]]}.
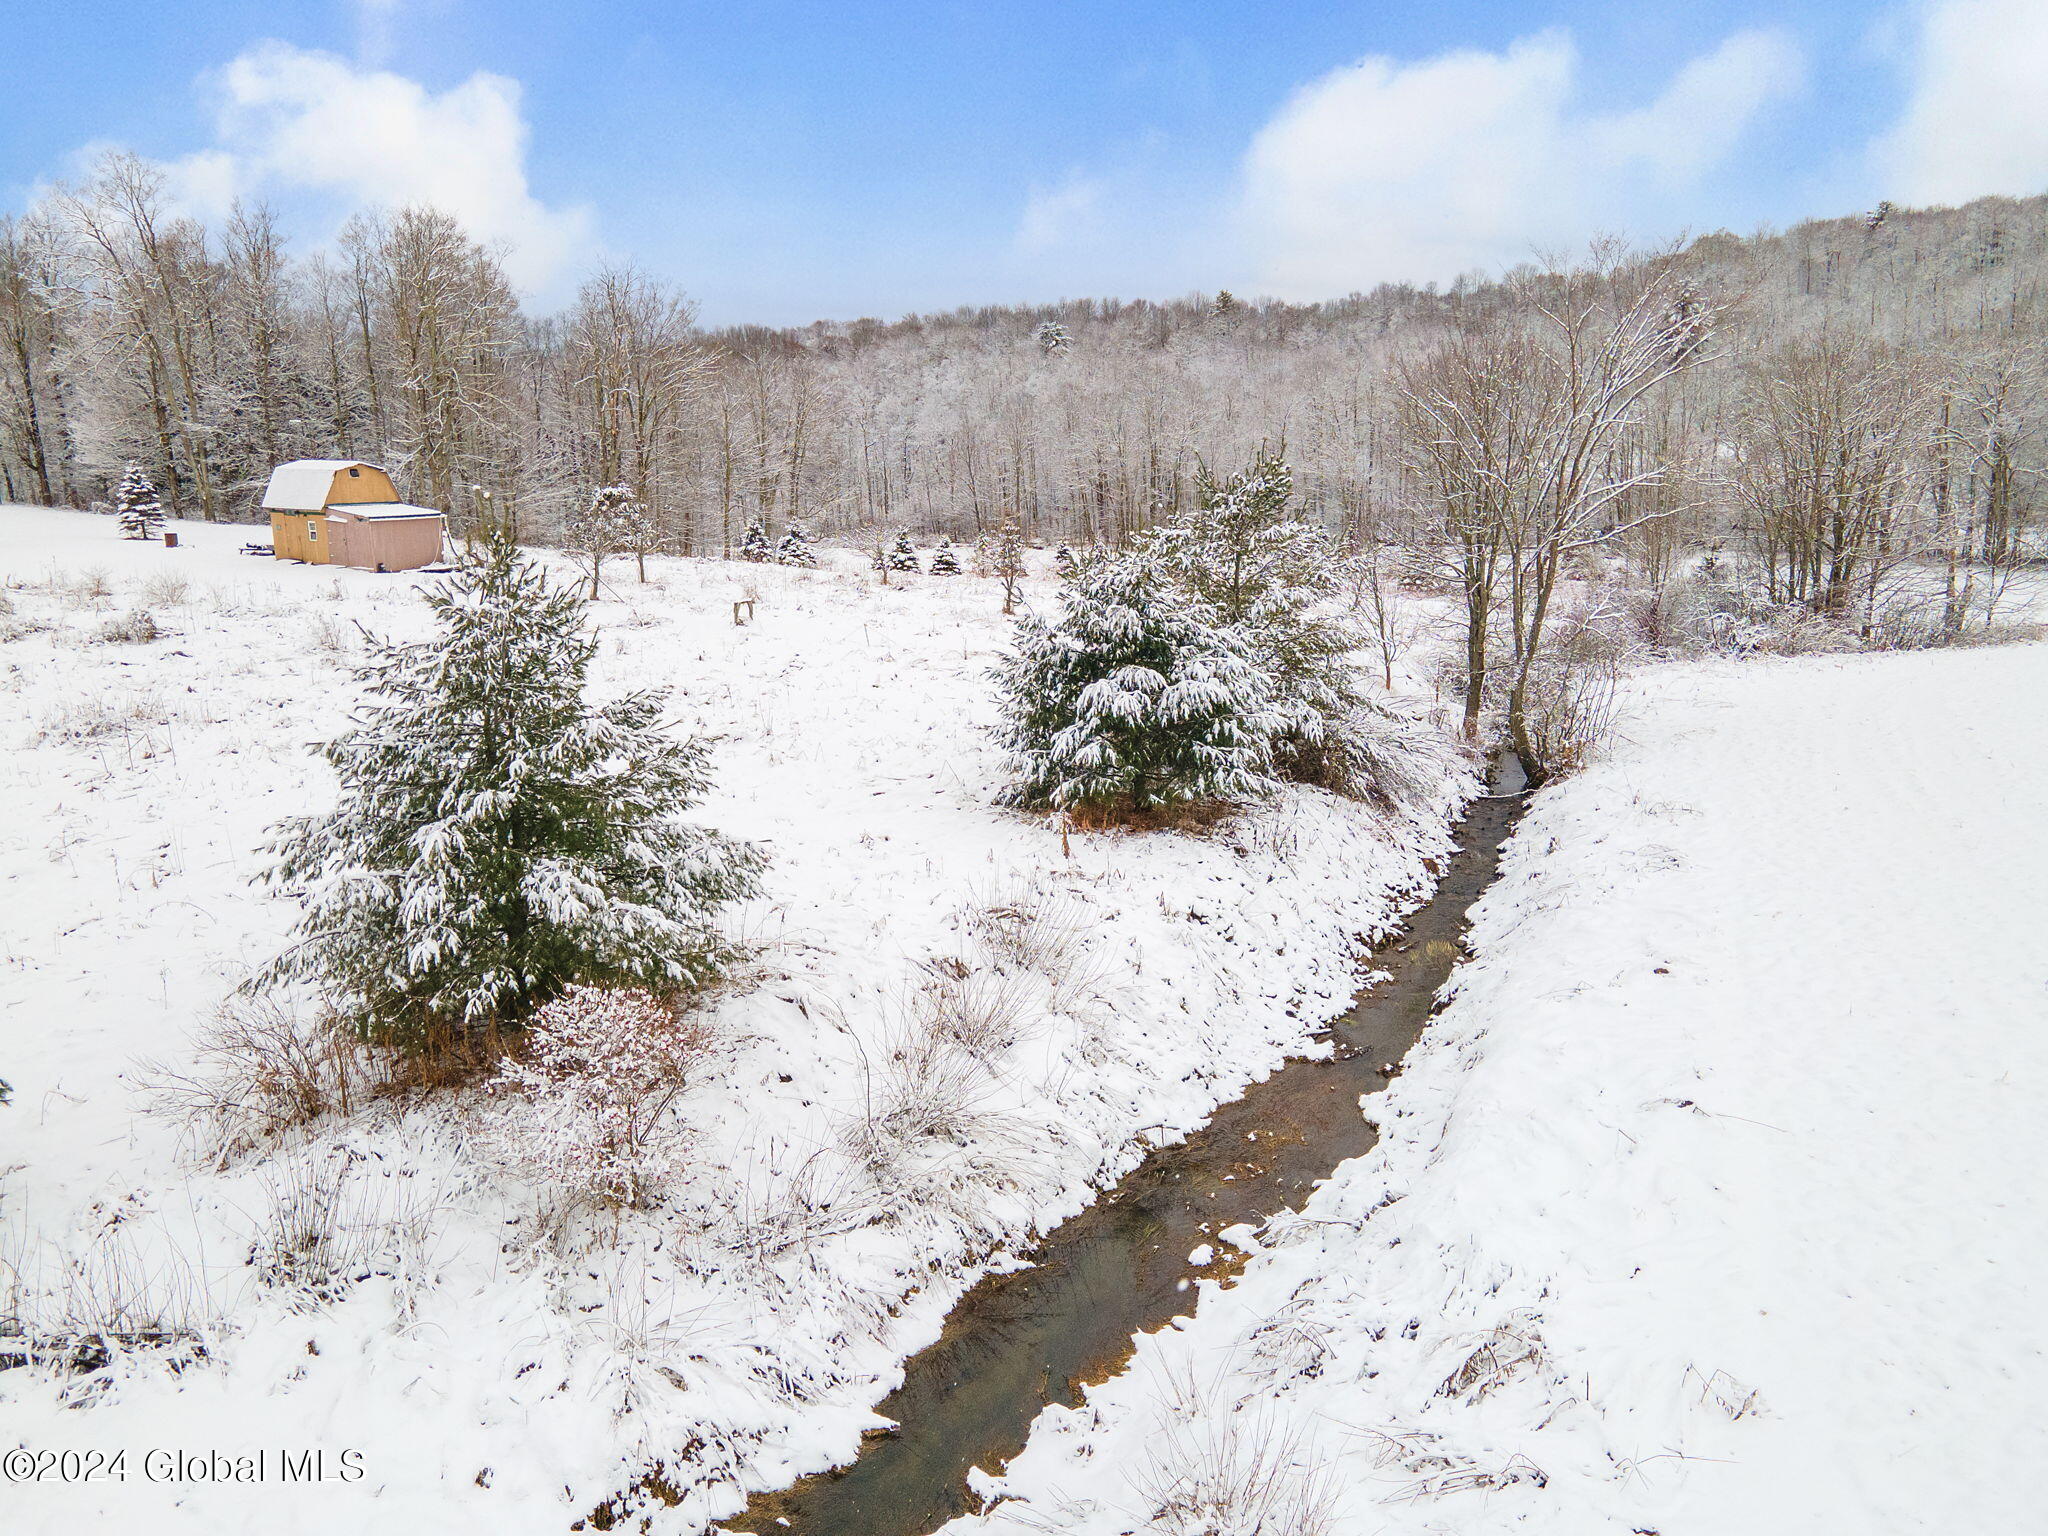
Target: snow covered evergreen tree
{"points": [[1274, 582], [1130, 700], [498, 837], [945, 560], [795, 547], [754, 543], [1225, 304], [903, 554], [1064, 564], [136, 504], [1052, 339]]}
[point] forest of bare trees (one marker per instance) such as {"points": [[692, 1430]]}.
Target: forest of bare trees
{"points": [[1830, 403]]}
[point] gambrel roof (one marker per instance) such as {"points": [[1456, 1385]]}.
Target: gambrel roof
{"points": [[304, 484]]}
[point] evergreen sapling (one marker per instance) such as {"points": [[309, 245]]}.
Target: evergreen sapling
{"points": [[945, 561], [903, 554], [754, 543], [795, 548], [136, 504]]}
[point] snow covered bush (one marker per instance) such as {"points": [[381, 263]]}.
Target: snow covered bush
{"points": [[136, 505], [945, 559], [754, 544], [1064, 563], [137, 628], [591, 1089], [903, 555], [498, 837], [1131, 700]]}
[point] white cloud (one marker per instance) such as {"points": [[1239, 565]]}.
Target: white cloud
{"points": [[1057, 216], [1976, 121], [1419, 171], [295, 120]]}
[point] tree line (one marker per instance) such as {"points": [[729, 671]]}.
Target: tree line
{"points": [[1864, 392]]}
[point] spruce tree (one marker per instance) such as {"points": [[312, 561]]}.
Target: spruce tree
{"points": [[945, 561], [1131, 699], [498, 837], [754, 543], [1064, 564], [903, 554], [795, 547], [1275, 582], [1053, 340], [136, 504]]}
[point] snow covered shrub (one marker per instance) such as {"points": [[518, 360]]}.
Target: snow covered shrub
{"points": [[1573, 689], [164, 589], [136, 506], [1064, 563], [137, 628], [498, 837], [1131, 700], [754, 543], [591, 1091], [945, 559]]}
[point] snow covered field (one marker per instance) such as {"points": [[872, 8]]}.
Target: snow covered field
{"points": [[1712, 1205], [488, 1381]]}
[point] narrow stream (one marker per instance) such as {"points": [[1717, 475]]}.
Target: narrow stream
{"points": [[1018, 1341]]}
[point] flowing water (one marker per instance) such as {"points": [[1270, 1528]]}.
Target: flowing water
{"points": [[1018, 1341]]}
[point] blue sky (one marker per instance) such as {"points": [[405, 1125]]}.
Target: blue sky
{"points": [[789, 162]]}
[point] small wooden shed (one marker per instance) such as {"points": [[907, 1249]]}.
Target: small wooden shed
{"points": [[346, 512]]}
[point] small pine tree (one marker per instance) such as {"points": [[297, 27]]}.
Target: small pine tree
{"points": [[1225, 304], [136, 504], [1064, 564], [498, 837], [903, 554], [1053, 340], [754, 543], [1001, 554], [795, 547], [1130, 700], [945, 560]]}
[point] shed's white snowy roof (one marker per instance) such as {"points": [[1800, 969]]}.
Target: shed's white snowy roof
{"points": [[303, 484], [380, 511]]}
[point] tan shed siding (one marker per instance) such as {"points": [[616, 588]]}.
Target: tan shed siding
{"points": [[361, 482], [291, 537]]}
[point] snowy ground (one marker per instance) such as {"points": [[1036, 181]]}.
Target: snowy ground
{"points": [[488, 1382], [1713, 1202]]}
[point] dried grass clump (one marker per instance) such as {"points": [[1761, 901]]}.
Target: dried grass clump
{"points": [[260, 1070], [1229, 1470]]}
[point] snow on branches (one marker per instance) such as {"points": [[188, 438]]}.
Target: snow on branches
{"points": [[590, 1093], [498, 837], [136, 504], [1132, 699]]}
